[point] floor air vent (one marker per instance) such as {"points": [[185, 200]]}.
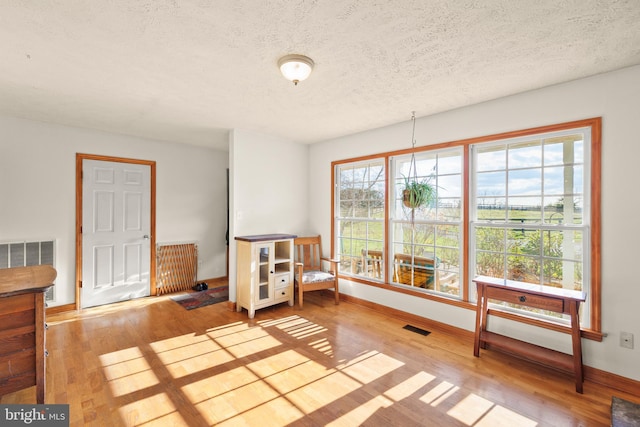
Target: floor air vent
{"points": [[416, 330]]}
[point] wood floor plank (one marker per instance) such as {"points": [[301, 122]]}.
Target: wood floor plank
{"points": [[151, 362]]}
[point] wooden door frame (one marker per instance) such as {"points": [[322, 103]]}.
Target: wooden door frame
{"points": [[80, 157]]}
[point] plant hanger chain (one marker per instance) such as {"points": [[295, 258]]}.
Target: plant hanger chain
{"points": [[412, 163]]}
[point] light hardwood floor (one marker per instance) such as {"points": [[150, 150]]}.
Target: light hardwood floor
{"points": [[151, 362]]}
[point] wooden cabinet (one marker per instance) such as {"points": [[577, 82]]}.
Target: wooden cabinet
{"points": [[264, 271], [22, 328], [559, 300]]}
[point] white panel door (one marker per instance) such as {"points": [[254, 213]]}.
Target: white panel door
{"points": [[116, 223]]}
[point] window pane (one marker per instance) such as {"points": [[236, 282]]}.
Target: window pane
{"points": [[565, 244], [449, 186], [525, 209], [492, 208], [449, 210], [490, 239], [525, 155], [491, 158], [564, 149], [523, 268], [359, 222], [449, 163], [490, 264], [491, 184], [524, 182], [520, 241]]}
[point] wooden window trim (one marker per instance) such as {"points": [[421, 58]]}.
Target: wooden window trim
{"points": [[595, 291]]}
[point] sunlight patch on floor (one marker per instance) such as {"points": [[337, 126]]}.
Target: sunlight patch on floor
{"points": [[323, 346], [274, 413], [361, 413], [322, 392], [236, 401], [409, 386], [307, 330], [127, 371], [195, 349], [197, 364], [286, 323], [372, 367], [296, 326], [157, 409], [120, 356], [175, 343], [281, 388], [439, 393], [299, 376], [470, 409], [132, 383], [215, 385], [284, 361], [253, 346]]}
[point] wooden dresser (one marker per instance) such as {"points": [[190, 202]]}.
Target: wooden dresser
{"points": [[22, 328]]}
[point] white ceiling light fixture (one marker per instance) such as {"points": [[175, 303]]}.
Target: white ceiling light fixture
{"points": [[295, 67]]}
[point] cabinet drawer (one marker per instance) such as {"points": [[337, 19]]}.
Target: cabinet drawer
{"points": [[526, 299], [282, 281], [282, 294]]}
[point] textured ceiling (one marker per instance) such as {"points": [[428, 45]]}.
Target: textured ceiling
{"points": [[190, 70]]}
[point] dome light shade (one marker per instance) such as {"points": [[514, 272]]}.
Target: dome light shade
{"points": [[295, 67]]}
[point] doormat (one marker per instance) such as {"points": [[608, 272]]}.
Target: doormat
{"points": [[416, 330], [195, 300]]}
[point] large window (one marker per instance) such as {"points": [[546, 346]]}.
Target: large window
{"points": [[529, 221], [360, 213], [521, 205], [426, 242]]}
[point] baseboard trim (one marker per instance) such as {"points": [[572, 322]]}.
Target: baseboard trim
{"points": [[216, 282], [594, 375], [409, 317], [61, 308]]}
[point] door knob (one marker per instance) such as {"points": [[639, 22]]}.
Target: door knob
{"points": [[146, 237]]}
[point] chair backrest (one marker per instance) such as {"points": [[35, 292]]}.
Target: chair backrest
{"points": [[308, 251], [372, 263], [422, 270]]}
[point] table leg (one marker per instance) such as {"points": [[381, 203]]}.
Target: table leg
{"points": [[480, 320], [577, 344]]}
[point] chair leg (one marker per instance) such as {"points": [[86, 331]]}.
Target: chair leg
{"points": [[300, 293], [336, 294]]}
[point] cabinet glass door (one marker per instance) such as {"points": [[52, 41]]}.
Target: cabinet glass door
{"points": [[264, 273]]}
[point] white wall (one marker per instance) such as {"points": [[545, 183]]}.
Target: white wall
{"points": [[37, 191], [614, 96], [269, 187]]}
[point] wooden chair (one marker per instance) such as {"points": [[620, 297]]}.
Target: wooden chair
{"points": [[372, 264], [310, 274]]}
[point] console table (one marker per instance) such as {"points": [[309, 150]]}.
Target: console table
{"points": [[559, 300]]}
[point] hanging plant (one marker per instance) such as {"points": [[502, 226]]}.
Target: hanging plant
{"points": [[417, 194]]}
